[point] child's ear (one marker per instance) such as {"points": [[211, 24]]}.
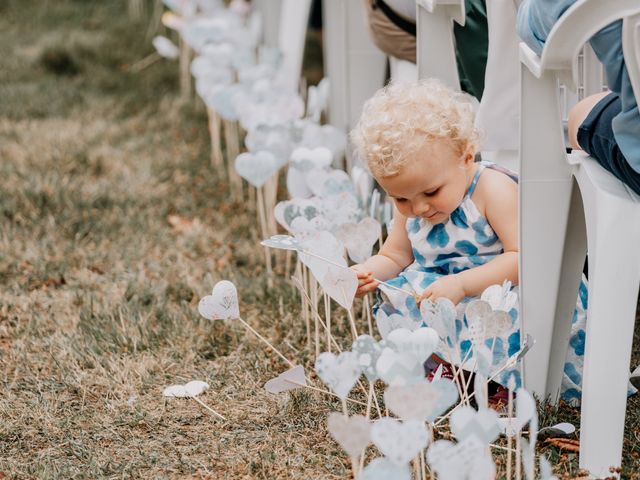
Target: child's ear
{"points": [[469, 154]]}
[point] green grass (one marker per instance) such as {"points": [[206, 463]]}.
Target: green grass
{"points": [[98, 293]]}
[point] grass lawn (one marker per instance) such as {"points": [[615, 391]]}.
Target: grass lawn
{"points": [[98, 288]]}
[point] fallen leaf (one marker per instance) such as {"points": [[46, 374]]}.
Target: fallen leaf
{"points": [[568, 444], [182, 225]]}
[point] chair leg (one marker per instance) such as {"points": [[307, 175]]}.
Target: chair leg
{"points": [[575, 249], [614, 276]]}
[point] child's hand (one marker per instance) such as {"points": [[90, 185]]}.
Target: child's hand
{"points": [[366, 283], [449, 286]]}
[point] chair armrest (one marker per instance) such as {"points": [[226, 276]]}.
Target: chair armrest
{"points": [[454, 8], [631, 50], [572, 30]]}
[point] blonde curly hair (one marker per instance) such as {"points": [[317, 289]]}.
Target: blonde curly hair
{"points": [[401, 118]]}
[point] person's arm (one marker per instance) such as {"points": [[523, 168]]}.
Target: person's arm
{"points": [[394, 256], [498, 198], [536, 19]]}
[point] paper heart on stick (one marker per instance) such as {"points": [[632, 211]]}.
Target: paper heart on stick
{"points": [[329, 182], [424, 401], [384, 469], [256, 168], [302, 226], [482, 425], [363, 183], [222, 304], [492, 323], [324, 245], [368, 352], [306, 159], [165, 47], [282, 242], [339, 373], [359, 238], [340, 284], [286, 212], [340, 208], [352, 433], [525, 411], [440, 315], [191, 389], [500, 297], [420, 343], [297, 184], [289, 380], [399, 441], [271, 138], [388, 322], [466, 459], [399, 368]]}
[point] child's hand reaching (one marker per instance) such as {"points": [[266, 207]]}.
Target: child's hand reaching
{"points": [[366, 283], [449, 286]]}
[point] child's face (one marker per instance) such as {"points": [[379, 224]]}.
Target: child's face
{"points": [[432, 183]]}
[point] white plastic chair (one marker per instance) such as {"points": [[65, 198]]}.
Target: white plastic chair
{"points": [[402, 71], [436, 54], [354, 65], [570, 205], [294, 17]]}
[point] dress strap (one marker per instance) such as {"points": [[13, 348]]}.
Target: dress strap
{"points": [[476, 177]]}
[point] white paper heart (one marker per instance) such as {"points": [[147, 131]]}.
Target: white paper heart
{"points": [[461, 461], [339, 373], [223, 101], [340, 208], [387, 323], [307, 159], [282, 242], [399, 368], [256, 168], [500, 297], [383, 469], [466, 422], [340, 284], [329, 182], [289, 380], [165, 47], [440, 315], [359, 238], [271, 138], [297, 184], [222, 304], [424, 401], [420, 343], [286, 212], [319, 247], [368, 352], [399, 441], [546, 472], [302, 226], [363, 183], [191, 389], [352, 433], [557, 430]]}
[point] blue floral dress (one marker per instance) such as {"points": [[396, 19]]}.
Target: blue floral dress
{"points": [[466, 240]]}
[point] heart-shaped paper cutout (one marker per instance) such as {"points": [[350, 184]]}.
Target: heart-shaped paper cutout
{"points": [[352, 433], [329, 182], [340, 284], [466, 422], [557, 430], [420, 343], [500, 297], [424, 401], [318, 248], [289, 380], [399, 368], [363, 183], [359, 238], [256, 168], [383, 469], [307, 159], [222, 304], [282, 242], [302, 226], [464, 460], [297, 184], [387, 323], [165, 47], [399, 441], [271, 138], [191, 389], [368, 352], [340, 208], [339, 373], [440, 315], [286, 212]]}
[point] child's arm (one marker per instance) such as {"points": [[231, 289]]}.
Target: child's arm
{"points": [[394, 256], [496, 195]]}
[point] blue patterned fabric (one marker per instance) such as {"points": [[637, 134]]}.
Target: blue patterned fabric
{"points": [[466, 240]]}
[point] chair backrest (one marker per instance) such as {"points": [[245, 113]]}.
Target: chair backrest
{"points": [[436, 54], [402, 71], [270, 17]]}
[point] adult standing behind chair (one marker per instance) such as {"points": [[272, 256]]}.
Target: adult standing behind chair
{"points": [[392, 24], [605, 125]]}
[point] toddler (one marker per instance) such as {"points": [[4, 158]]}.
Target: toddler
{"points": [[455, 228]]}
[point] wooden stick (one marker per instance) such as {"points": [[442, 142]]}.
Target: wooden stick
{"points": [[264, 340], [367, 307], [185, 74], [327, 319], [320, 390], [354, 330], [209, 408], [214, 133], [307, 302], [263, 227], [316, 331], [145, 62], [509, 437], [233, 150], [345, 412]]}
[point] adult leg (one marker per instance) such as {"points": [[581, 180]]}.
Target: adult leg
{"points": [[578, 114]]}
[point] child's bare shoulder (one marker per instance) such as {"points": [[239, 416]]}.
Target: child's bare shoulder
{"points": [[494, 187]]}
